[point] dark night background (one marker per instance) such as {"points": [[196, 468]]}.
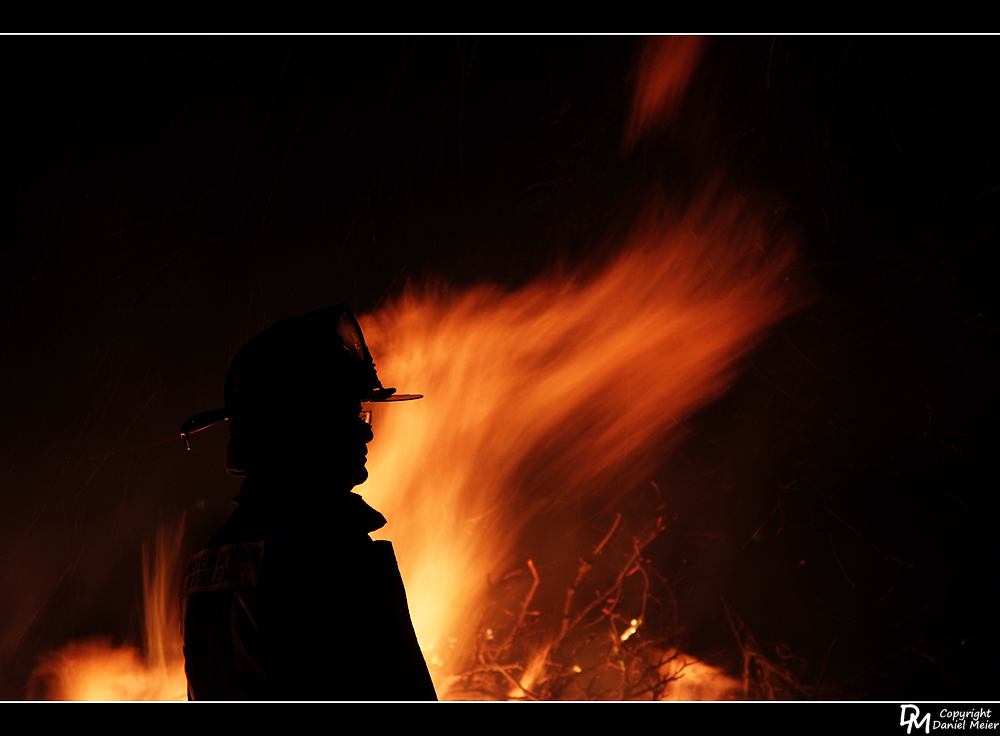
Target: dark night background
{"points": [[164, 199]]}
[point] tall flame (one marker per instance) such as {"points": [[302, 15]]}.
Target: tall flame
{"points": [[537, 396]]}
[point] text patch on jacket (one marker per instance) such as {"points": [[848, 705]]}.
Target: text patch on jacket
{"points": [[232, 566]]}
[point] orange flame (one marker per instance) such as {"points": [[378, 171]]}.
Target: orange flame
{"points": [[696, 680], [95, 669], [665, 69], [537, 396]]}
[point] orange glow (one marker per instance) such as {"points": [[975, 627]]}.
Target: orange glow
{"points": [[95, 669], [664, 72], [697, 681], [554, 389]]}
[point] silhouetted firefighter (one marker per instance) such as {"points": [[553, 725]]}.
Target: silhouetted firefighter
{"points": [[291, 599]]}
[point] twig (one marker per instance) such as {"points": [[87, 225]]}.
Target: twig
{"points": [[767, 670], [607, 537], [524, 606], [637, 548], [570, 592]]}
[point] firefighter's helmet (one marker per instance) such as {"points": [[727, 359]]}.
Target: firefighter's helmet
{"points": [[297, 366]]}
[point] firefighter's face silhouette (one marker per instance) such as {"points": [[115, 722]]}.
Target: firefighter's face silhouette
{"points": [[330, 438], [352, 447]]}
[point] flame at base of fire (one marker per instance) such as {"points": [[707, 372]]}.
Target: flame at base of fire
{"points": [[94, 669], [679, 678], [689, 679]]}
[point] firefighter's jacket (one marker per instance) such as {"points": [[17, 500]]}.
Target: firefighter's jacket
{"points": [[295, 602]]}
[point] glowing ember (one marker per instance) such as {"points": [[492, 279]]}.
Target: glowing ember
{"points": [[634, 625]]}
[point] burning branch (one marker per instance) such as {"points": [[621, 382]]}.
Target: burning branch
{"points": [[524, 606], [601, 651]]}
